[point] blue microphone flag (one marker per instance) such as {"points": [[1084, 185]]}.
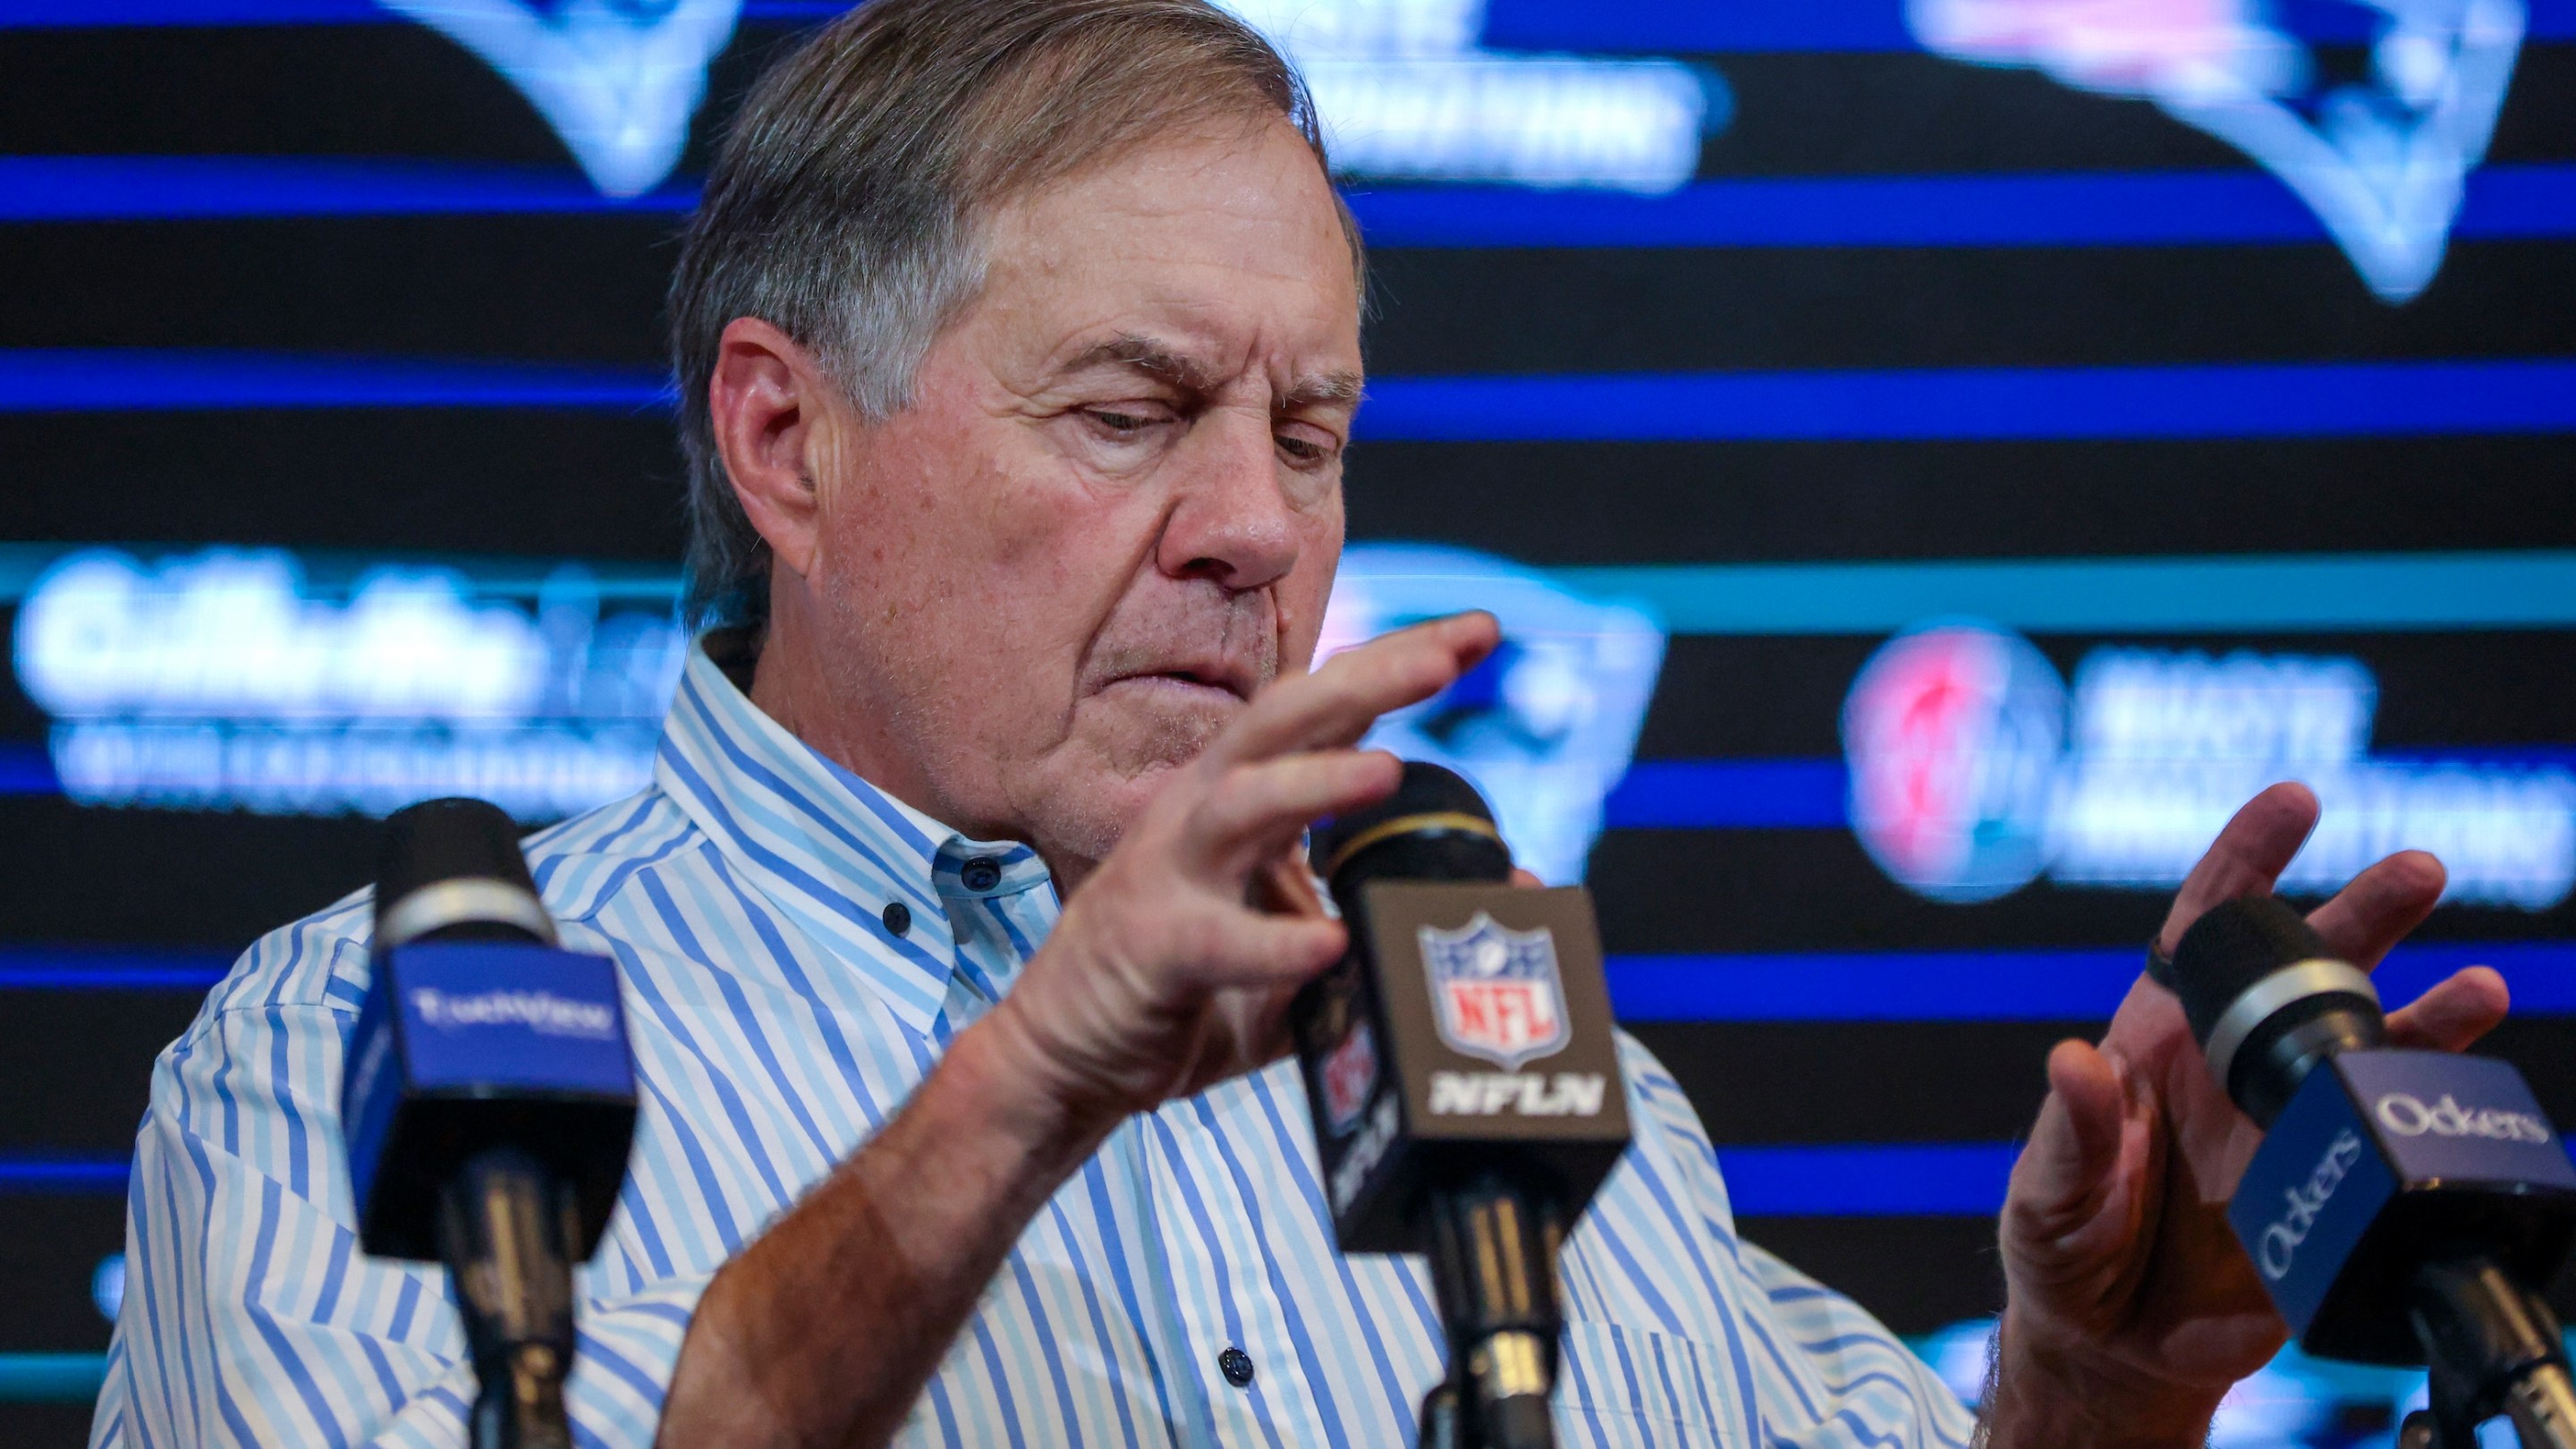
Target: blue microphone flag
{"points": [[521, 1037], [2378, 1152]]}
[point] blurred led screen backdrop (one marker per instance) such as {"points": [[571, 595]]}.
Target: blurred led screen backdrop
{"points": [[1932, 460]]}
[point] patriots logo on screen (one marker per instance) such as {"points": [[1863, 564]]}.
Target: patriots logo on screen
{"points": [[1546, 725], [1496, 991], [617, 79], [2381, 158]]}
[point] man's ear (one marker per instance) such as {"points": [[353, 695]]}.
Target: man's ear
{"points": [[771, 408]]}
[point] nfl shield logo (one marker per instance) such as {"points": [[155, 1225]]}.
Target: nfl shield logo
{"points": [[1350, 1075], [1496, 991]]}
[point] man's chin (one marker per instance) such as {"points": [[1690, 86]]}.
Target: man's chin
{"points": [[1156, 728], [1121, 757]]}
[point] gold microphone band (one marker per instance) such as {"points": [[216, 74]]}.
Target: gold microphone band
{"points": [[1439, 822]]}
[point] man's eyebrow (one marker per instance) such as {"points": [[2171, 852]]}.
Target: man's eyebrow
{"points": [[1326, 387], [1144, 354], [1159, 359]]}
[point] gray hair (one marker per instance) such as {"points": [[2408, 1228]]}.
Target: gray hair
{"points": [[845, 205]]}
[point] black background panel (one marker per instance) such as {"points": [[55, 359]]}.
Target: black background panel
{"points": [[585, 288]]}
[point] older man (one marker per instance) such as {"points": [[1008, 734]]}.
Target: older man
{"points": [[1020, 347]]}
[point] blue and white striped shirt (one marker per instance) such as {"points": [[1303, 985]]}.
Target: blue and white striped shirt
{"points": [[776, 1022]]}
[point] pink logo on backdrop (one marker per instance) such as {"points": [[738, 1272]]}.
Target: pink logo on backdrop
{"points": [[1952, 734]]}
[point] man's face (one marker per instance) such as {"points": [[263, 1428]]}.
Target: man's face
{"points": [[1113, 509]]}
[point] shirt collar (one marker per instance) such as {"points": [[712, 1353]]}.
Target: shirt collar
{"points": [[830, 850]]}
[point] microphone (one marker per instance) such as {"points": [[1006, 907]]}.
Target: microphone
{"points": [[489, 1103], [2404, 1203], [1432, 1135]]}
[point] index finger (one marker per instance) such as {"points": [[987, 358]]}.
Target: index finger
{"points": [[1332, 707], [2248, 855]]}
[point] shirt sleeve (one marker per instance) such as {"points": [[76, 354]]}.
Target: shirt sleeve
{"points": [[1822, 1370], [251, 1317]]}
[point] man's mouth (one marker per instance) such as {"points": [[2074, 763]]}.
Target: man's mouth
{"points": [[1208, 677]]}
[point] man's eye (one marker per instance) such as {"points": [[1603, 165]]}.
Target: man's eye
{"points": [[1303, 449], [1120, 422]]}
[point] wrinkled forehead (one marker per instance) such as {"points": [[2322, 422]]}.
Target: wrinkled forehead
{"points": [[1215, 255]]}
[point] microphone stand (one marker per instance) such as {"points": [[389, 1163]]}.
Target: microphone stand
{"points": [[2494, 1348], [1493, 1268], [503, 1229]]}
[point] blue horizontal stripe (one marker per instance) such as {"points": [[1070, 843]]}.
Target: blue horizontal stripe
{"points": [[179, 188], [2150, 208], [81, 380], [2089, 209], [51, 1378], [1610, 25], [1778, 1181], [1730, 794], [2246, 401], [2249, 594], [2036, 985], [83, 1175], [26, 769], [1878, 1180], [2268, 400], [71, 968], [1841, 25]]}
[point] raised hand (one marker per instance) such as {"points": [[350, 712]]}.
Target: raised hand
{"points": [[2130, 1308], [1174, 962]]}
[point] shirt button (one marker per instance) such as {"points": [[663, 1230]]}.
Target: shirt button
{"points": [[897, 917], [1236, 1365], [981, 874]]}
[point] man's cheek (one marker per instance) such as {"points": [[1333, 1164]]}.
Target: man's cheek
{"points": [[1301, 598]]}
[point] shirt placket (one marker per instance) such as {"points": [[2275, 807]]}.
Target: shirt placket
{"points": [[1233, 1347]]}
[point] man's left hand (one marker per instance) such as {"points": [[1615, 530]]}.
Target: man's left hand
{"points": [[2130, 1308]]}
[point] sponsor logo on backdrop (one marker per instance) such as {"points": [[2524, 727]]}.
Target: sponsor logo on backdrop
{"points": [[2382, 160], [618, 80], [1496, 992], [1975, 771], [1546, 726], [227, 679], [248, 679], [1953, 740], [1405, 90]]}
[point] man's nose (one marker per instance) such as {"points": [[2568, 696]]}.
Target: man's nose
{"points": [[1232, 522]]}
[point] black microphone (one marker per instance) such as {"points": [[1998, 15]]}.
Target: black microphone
{"points": [[1433, 1138], [489, 1103], [2404, 1204]]}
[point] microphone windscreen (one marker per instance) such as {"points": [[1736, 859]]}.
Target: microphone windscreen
{"points": [[1431, 807], [2234, 945], [457, 839]]}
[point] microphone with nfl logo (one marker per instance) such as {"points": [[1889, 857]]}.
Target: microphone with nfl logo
{"points": [[1465, 1086]]}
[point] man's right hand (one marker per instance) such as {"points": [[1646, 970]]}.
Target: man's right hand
{"points": [[1173, 964]]}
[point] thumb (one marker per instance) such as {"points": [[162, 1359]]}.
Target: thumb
{"points": [[2063, 1170]]}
